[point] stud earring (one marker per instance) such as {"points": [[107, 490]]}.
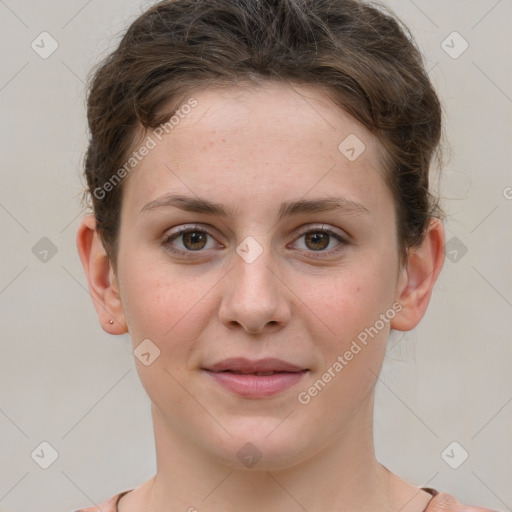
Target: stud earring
{"points": [[111, 321]]}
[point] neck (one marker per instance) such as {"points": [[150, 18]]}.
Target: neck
{"points": [[343, 475]]}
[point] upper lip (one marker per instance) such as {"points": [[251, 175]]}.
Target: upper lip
{"points": [[243, 365]]}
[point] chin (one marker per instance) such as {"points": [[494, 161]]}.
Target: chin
{"points": [[257, 445]]}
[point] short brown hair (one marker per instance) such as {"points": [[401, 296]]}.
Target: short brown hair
{"points": [[360, 54]]}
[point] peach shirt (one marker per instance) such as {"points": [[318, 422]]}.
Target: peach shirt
{"points": [[440, 502]]}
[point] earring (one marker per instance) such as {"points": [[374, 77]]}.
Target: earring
{"points": [[111, 321]]}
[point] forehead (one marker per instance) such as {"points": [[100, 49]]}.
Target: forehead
{"points": [[269, 110], [248, 139]]}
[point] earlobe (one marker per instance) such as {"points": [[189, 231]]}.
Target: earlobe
{"points": [[101, 278], [416, 283]]}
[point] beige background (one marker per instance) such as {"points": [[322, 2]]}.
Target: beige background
{"points": [[66, 382]]}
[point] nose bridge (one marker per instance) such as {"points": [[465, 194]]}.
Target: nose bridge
{"points": [[254, 297], [253, 276]]}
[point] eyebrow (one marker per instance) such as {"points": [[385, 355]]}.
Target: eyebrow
{"points": [[198, 205]]}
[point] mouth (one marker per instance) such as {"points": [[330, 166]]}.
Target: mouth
{"points": [[269, 365], [253, 373], [255, 379]]}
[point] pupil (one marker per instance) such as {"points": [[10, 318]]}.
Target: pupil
{"points": [[195, 238], [319, 237]]}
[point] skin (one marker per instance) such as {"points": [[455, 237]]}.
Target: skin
{"points": [[251, 148]]}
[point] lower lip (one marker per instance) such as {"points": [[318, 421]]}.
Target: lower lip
{"points": [[257, 386]]}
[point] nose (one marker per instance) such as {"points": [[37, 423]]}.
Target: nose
{"points": [[254, 297]]}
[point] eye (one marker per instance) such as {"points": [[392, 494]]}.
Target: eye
{"points": [[319, 239], [189, 239], [192, 239]]}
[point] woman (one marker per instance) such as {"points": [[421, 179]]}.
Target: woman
{"points": [[259, 176]]}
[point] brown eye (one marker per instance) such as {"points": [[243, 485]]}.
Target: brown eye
{"points": [[194, 240], [187, 240], [317, 241], [324, 242]]}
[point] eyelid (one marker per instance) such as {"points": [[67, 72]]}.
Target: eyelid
{"points": [[342, 238], [186, 228], [325, 227]]}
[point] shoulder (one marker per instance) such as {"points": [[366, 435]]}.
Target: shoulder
{"points": [[107, 506], [444, 502]]}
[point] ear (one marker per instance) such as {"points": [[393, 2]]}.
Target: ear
{"points": [[417, 278], [103, 285]]}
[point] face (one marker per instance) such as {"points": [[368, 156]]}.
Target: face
{"points": [[274, 271]]}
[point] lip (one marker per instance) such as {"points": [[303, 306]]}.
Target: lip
{"points": [[250, 385], [240, 364]]}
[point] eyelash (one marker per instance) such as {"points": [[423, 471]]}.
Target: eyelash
{"points": [[314, 254]]}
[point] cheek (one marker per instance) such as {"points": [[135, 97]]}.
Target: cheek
{"points": [[165, 306], [162, 302], [353, 347], [351, 298]]}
